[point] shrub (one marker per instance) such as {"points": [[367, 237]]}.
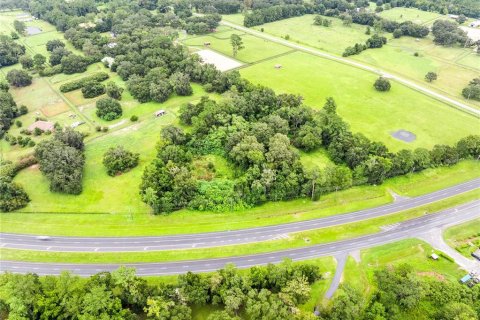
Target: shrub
{"points": [[93, 89], [12, 195], [382, 84], [133, 118], [108, 109], [118, 160], [19, 78], [78, 84], [114, 91]]}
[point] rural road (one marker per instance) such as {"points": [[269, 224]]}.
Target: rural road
{"points": [[223, 238], [401, 80], [408, 229]]}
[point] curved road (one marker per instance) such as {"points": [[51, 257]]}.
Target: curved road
{"points": [[215, 239], [407, 229], [403, 81]]}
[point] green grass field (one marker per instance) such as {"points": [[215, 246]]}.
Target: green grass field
{"points": [[139, 222], [455, 66], [375, 114], [465, 238]]}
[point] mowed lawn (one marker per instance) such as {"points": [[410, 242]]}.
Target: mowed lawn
{"points": [[375, 114], [455, 66], [465, 237], [130, 216], [333, 39], [401, 14], [255, 48]]}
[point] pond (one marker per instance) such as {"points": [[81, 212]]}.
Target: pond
{"points": [[33, 30]]}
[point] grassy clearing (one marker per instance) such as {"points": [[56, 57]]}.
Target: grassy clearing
{"points": [[401, 14], [465, 238], [255, 48], [375, 114], [297, 240], [131, 218], [455, 66], [411, 251]]}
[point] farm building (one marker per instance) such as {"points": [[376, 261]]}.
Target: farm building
{"points": [[42, 125], [476, 254], [466, 279]]}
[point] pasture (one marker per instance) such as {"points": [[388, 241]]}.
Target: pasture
{"points": [[375, 114], [455, 66]]}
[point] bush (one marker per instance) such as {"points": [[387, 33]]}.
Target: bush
{"points": [[78, 84], [382, 84], [114, 91], [118, 160], [12, 195], [19, 78], [93, 89], [133, 118], [108, 109]]}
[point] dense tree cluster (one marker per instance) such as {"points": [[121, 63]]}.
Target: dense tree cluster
{"points": [[274, 13], [19, 78], [108, 109], [447, 33], [119, 160], [374, 41], [401, 294], [79, 84], [472, 91], [12, 195], [382, 84], [470, 8], [271, 292], [61, 160], [93, 89], [8, 109]]}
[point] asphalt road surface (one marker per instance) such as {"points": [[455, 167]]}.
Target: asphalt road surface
{"points": [[401, 80], [407, 229], [215, 239]]}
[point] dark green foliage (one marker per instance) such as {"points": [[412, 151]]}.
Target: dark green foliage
{"points": [[93, 89], [61, 160], [443, 155], [114, 91], [19, 26], [12, 195], [57, 55], [118, 160], [447, 33], [26, 61], [382, 84], [108, 109], [54, 44], [160, 91], [472, 91], [78, 84], [181, 84], [431, 76], [376, 41], [19, 78], [39, 61], [274, 13], [469, 147], [202, 24], [73, 64], [8, 111]]}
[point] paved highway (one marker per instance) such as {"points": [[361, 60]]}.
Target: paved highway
{"points": [[407, 229], [215, 239], [310, 50]]}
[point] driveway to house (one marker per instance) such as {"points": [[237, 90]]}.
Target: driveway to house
{"points": [[319, 53]]}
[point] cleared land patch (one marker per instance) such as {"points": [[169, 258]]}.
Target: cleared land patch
{"points": [[221, 62]]}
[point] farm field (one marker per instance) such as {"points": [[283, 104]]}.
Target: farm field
{"points": [[455, 66], [372, 113]]}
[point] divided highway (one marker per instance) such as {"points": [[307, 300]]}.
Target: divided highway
{"points": [[407, 229], [215, 239]]}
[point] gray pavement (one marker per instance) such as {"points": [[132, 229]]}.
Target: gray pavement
{"points": [[337, 278], [224, 238], [406, 229]]}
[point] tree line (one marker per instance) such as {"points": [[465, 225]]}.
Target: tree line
{"points": [[270, 292], [260, 133]]}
